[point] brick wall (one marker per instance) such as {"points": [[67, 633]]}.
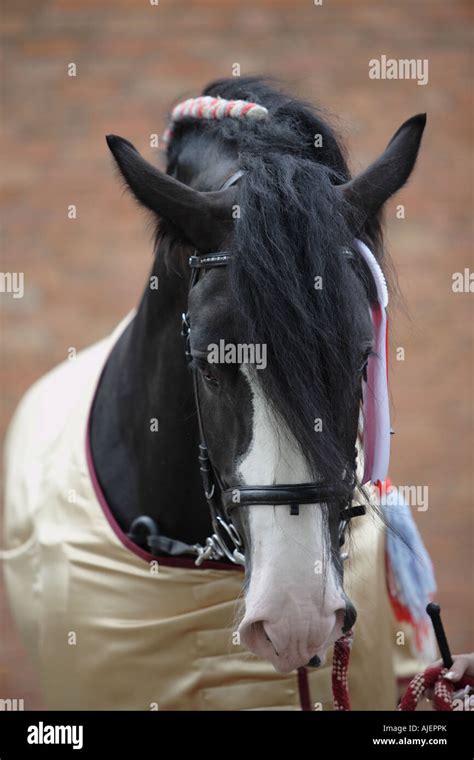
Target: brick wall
{"points": [[133, 60]]}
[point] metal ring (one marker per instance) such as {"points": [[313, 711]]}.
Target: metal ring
{"points": [[209, 494]]}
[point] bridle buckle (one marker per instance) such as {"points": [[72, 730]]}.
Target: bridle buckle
{"points": [[186, 336], [346, 515]]}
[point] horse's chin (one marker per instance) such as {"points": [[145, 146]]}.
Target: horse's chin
{"points": [[288, 655], [282, 665]]}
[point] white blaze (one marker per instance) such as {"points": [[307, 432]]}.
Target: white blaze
{"points": [[289, 599]]}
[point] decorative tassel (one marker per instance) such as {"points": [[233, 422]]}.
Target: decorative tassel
{"points": [[410, 577]]}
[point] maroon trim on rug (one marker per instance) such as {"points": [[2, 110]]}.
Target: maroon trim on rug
{"points": [[188, 562], [303, 688]]}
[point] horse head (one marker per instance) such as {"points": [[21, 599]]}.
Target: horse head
{"points": [[280, 337]]}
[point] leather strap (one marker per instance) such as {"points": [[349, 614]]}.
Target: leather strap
{"points": [[357, 510], [144, 531], [208, 260], [294, 493]]}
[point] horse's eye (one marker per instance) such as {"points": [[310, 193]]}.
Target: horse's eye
{"points": [[210, 378]]}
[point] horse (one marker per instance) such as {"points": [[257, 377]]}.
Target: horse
{"points": [[242, 369]]}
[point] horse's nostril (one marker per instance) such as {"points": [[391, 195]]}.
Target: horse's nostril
{"points": [[269, 639], [350, 616], [314, 662]]}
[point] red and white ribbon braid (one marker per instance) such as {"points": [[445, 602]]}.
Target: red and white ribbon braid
{"points": [[207, 107]]}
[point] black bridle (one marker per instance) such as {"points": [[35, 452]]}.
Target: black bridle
{"points": [[225, 541]]}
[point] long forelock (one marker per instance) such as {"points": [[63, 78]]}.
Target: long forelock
{"points": [[290, 284], [291, 230]]}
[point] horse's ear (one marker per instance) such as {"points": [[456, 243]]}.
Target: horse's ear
{"points": [[203, 219], [367, 192]]}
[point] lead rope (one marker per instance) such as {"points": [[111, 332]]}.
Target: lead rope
{"points": [[340, 666], [434, 677]]}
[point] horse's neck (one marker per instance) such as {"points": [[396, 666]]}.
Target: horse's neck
{"points": [[144, 435]]}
